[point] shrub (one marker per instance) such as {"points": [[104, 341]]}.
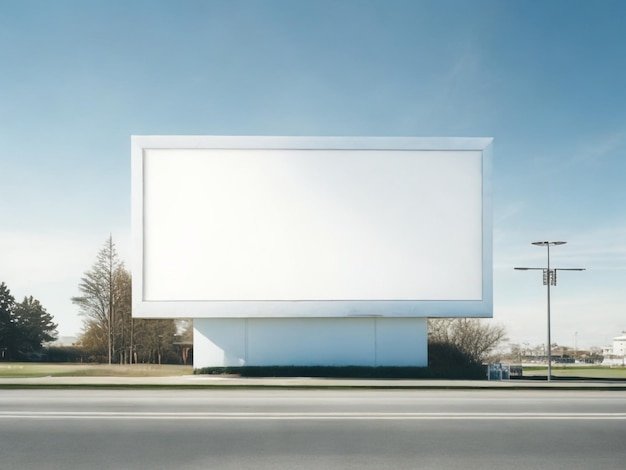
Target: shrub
{"points": [[446, 361], [64, 354]]}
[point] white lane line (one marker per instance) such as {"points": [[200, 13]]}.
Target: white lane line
{"points": [[120, 415]]}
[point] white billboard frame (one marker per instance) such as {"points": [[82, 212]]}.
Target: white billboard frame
{"points": [[306, 308]]}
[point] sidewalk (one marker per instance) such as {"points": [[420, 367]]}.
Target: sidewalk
{"points": [[209, 381]]}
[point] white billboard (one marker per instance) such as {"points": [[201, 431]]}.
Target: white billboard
{"points": [[311, 227]]}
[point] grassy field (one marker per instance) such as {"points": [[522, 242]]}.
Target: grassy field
{"points": [[591, 372], [37, 369]]}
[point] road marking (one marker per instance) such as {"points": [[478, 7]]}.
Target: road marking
{"points": [[120, 415]]}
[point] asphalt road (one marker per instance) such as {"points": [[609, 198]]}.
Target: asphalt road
{"points": [[311, 429]]}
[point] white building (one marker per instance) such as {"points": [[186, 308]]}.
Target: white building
{"points": [[614, 355]]}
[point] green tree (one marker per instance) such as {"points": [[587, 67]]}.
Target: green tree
{"points": [[7, 306], [24, 326], [33, 326]]}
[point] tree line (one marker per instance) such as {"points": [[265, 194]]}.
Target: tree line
{"points": [[110, 333], [24, 327]]}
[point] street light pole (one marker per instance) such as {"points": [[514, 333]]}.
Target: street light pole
{"points": [[549, 278]]}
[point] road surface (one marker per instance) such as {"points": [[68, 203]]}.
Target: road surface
{"points": [[311, 429]]}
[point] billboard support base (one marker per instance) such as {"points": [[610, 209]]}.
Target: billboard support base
{"points": [[236, 342]]}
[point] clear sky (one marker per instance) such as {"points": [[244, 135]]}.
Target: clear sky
{"points": [[545, 79]]}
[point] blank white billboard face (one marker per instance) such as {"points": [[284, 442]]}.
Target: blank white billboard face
{"points": [[245, 227]]}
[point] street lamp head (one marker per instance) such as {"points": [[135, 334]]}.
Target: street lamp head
{"points": [[548, 243]]}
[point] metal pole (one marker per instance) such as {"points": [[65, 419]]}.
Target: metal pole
{"points": [[549, 347], [550, 277]]}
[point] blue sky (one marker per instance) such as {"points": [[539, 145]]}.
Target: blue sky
{"points": [[544, 79]]}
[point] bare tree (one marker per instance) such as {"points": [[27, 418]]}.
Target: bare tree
{"points": [[470, 335], [154, 340], [97, 301], [109, 329], [123, 324]]}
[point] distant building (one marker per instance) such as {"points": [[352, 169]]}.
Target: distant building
{"points": [[62, 341], [619, 344], [614, 355]]}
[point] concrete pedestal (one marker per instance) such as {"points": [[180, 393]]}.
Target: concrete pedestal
{"points": [[231, 342]]}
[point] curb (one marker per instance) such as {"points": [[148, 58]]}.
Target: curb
{"points": [[296, 383]]}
